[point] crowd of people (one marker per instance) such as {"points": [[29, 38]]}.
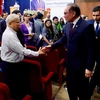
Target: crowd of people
{"points": [[81, 38]]}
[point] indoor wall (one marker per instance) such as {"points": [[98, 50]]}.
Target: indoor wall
{"points": [[86, 6]]}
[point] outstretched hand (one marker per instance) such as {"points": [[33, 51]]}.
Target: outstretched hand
{"points": [[41, 52], [46, 48]]}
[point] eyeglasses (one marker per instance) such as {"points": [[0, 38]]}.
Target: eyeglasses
{"points": [[67, 12]]}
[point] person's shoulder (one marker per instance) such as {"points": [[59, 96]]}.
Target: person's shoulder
{"points": [[2, 21], [91, 21], [22, 24], [8, 30], [85, 22], [88, 24]]}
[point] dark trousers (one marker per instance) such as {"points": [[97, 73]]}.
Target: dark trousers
{"points": [[15, 78], [77, 85], [95, 79]]}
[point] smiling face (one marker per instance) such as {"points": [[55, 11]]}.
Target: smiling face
{"points": [[48, 23], [69, 14]]}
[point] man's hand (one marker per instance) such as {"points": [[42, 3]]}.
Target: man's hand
{"points": [[47, 48], [88, 73], [41, 52]]}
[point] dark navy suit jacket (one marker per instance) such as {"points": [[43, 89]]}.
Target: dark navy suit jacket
{"points": [[92, 22], [2, 27], [97, 40], [80, 46]]}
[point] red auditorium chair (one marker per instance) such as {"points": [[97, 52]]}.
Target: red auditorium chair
{"points": [[51, 63], [62, 58], [34, 49], [5, 93], [40, 87], [31, 47], [62, 52]]}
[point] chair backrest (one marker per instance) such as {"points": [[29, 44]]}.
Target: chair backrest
{"points": [[32, 47], [4, 92], [62, 52], [35, 77], [49, 63], [0, 43]]}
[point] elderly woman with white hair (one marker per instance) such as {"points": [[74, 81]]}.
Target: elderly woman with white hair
{"points": [[12, 53]]}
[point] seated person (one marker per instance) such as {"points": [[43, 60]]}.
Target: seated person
{"points": [[47, 33]]}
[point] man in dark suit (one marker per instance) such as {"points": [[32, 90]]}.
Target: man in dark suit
{"points": [[95, 80], [80, 42], [3, 23]]}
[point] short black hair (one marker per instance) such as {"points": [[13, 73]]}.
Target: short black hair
{"points": [[74, 7], [55, 17], [97, 8], [39, 15], [16, 12]]}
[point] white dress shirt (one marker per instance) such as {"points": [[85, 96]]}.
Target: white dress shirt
{"points": [[75, 21], [95, 24], [11, 48]]}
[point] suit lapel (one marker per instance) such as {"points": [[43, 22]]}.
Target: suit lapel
{"points": [[68, 30], [74, 31]]}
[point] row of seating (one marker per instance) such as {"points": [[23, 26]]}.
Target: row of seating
{"points": [[54, 61], [41, 70], [5, 93]]}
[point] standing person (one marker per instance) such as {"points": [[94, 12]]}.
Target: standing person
{"points": [[38, 24], [62, 23], [57, 28], [19, 32], [80, 43], [27, 29], [12, 53], [37, 4], [3, 24], [95, 80]]}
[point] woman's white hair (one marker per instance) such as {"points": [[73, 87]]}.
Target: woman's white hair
{"points": [[11, 17]]}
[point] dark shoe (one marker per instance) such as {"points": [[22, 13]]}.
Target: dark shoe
{"points": [[98, 89]]}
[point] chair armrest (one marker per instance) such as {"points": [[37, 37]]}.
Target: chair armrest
{"points": [[48, 77], [61, 62], [27, 97]]}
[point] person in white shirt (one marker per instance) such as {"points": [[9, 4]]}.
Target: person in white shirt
{"points": [[12, 53]]}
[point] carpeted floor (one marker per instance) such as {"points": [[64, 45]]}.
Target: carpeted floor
{"points": [[60, 93]]}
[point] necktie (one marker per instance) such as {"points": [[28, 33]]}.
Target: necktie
{"points": [[71, 28], [97, 27]]}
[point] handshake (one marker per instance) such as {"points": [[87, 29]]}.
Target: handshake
{"points": [[44, 50]]}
